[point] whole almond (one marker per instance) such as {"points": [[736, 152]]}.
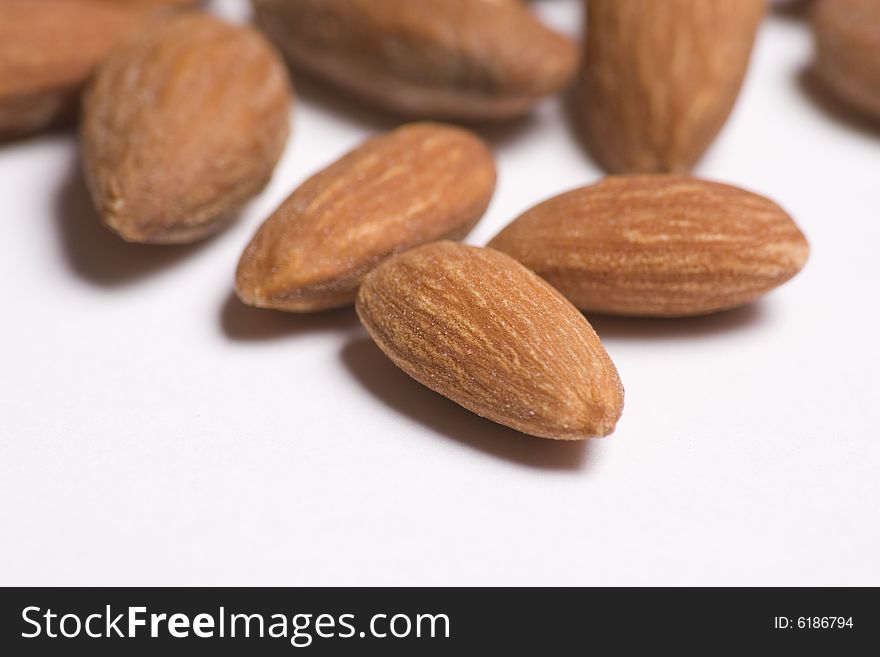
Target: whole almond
{"points": [[658, 246], [419, 183], [439, 59], [660, 78], [181, 126], [48, 50], [482, 330], [848, 43]]}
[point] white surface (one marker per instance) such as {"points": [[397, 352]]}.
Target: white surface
{"points": [[154, 431]]}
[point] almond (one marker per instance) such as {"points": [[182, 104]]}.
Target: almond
{"points": [[482, 330], [848, 44], [416, 184], [48, 50], [155, 4], [183, 125], [439, 59], [658, 246], [660, 78]]}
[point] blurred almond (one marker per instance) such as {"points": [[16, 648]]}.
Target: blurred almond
{"points": [[658, 246], [482, 330], [181, 126], [439, 59], [48, 50], [421, 182], [661, 77], [848, 43]]}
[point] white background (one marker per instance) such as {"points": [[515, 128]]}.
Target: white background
{"points": [[155, 431]]}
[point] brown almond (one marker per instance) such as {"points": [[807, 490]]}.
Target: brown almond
{"points": [[437, 59], [416, 184], [660, 79], [482, 330], [848, 43], [155, 4], [658, 246], [48, 50], [181, 126]]}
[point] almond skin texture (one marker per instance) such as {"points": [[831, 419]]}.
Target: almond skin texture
{"points": [[155, 4], [48, 50], [434, 59], [182, 126], [482, 330], [419, 183], [848, 51], [658, 246], [659, 79]]}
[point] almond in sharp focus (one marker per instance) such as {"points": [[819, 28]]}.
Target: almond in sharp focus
{"points": [[48, 50], [421, 182], [848, 43], [482, 330], [439, 59], [181, 126], [660, 78], [659, 246]]}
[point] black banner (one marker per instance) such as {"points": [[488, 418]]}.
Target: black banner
{"points": [[430, 621]]}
